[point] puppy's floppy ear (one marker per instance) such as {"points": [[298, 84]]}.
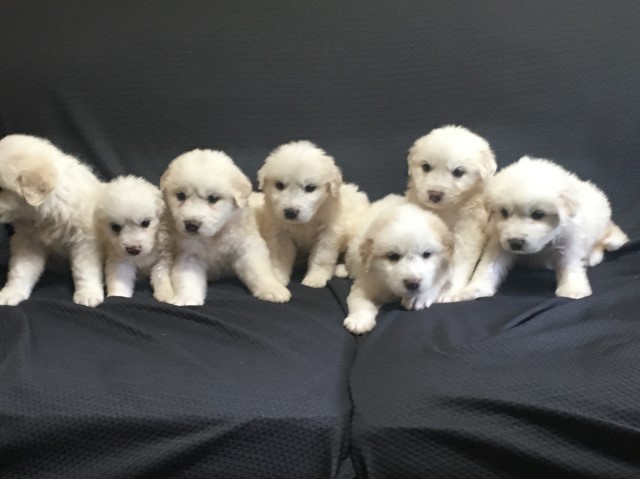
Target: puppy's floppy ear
{"points": [[366, 254], [37, 182], [262, 175], [241, 188], [164, 179], [335, 181], [160, 205], [567, 206], [488, 165]]}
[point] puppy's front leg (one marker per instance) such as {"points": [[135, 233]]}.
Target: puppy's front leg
{"points": [[322, 261], [362, 311], [571, 274], [26, 264], [189, 278], [490, 273], [282, 253], [254, 269], [86, 269], [121, 276], [470, 239], [161, 280]]}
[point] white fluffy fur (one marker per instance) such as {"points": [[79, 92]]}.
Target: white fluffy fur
{"points": [[394, 226], [50, 198], [445, 151], [571, 234], [327, 216], [131, 221], [227, 241]]}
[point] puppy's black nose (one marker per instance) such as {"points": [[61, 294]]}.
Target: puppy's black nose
{"points": [[435, 196], [133, 250], [291, 213], [192, 226], [411, 284], [516, 244]]}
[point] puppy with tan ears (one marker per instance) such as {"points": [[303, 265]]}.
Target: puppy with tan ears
{"points": [[403, 251], [130, 218], [50, 198], [308, 211], [548, 217], [214, 230], [448, 170]]}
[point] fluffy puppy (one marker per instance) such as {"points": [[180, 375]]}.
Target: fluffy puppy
{"points": [[215, 232], [548, 217], [308, 211], [448, 169], [402, 252], [50, 197], [130, 219]]}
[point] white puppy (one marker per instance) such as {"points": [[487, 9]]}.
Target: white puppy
{"points": [[308, 211], [548, 217], [402, 252], [50, 198], [130, 218], [448, 169], [214, 230]]}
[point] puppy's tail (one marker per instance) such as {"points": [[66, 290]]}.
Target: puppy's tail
{"points": [[613, 240]]}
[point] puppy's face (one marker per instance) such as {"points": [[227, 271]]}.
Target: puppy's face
{"points": [[529, 206], [129, 215], [407, 250], [448, 165], [297, 179], [203, 189]]}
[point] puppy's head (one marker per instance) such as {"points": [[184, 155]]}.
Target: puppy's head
{"points": [[407, 248], [128, 213], [448, 165], [297, 179], [28, 175], [203, 188], [531, 201]]}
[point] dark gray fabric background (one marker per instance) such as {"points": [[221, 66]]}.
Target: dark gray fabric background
{"points": [[520, 385]]}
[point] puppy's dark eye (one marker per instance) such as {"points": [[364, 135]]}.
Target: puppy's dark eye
{"points": [[280, 185], [458, 172], [310, 188], [426, 254], [537, 215], [426, 167], [393, 257], [145, 223], [181, 196], [504, 213], [212, 199], [116, 228]]}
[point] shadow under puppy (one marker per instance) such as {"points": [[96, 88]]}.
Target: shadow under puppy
{"points": [[545, 217], [308, 211], [402, 252], [214, 231], [50, 198], [130, 217]]}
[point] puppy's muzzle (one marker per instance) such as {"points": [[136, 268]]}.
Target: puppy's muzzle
{"points": [[435, 196], [412, 284], [516, 244], [133, 250], [192, 226], [291, 213]]}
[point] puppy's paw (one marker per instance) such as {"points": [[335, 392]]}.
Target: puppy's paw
{"points": [[341, 271], [88, 297], [12, 297], [273, 292], [574, 290], [475, 291], [449, 295], [120, 293], [317, 278], [359, 323], [416, 303], [186, 300], [164, 295]]}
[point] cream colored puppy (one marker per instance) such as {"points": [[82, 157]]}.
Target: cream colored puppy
{"points": [[130, 218], [215, 232], [50, 198], [547, 217], [308, 211], [402, 252], [448, 170]]}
